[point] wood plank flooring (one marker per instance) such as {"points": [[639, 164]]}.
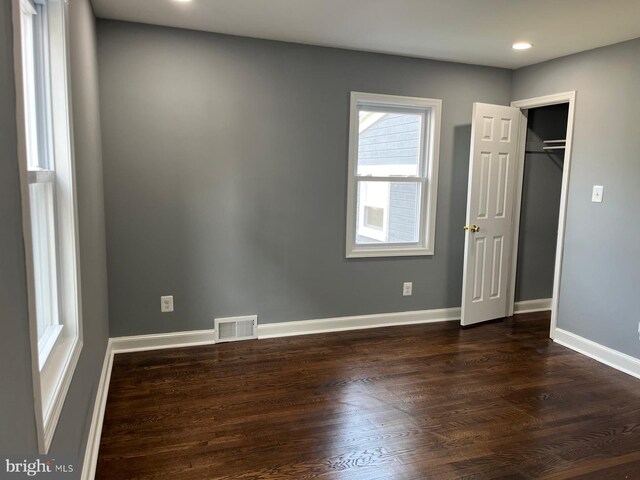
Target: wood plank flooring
{"points": [[435, 401]]}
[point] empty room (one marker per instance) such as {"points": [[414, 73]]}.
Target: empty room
{"points": [[292, 239]]}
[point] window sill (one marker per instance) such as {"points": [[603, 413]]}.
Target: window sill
{"points": [[55, 379], [46, 343], [377, 252]]}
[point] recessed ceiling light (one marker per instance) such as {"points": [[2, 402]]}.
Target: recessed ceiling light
{"points": [[521, 46]]}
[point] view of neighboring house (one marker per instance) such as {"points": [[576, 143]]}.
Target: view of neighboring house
{"points": [[389, 145]]}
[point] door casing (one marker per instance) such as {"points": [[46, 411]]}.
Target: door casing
{"points": [[526, 104]]}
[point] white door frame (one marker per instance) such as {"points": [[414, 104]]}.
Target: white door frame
{"points": [[555, 99]]}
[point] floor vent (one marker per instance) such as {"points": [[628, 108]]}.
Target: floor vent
{"points": [[232, 329]]}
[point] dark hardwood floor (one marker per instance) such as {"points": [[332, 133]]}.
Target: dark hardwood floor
{"points": [[498, 400]]}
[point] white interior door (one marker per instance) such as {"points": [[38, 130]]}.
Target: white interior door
{"points": [[490, 204]]}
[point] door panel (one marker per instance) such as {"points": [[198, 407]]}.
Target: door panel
{"points": [[490, 203]]}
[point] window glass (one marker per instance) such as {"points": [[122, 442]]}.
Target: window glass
{"points": [[388, 212], [389, 144]]}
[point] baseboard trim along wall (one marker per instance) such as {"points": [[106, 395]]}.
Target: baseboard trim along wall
{"points": [[529, 306], [338, 324], [618, 360], [95, 431], [139, 343], [358, 322]]}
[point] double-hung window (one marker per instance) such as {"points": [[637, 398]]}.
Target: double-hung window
{"points": [[393, 175], [47, 168]]}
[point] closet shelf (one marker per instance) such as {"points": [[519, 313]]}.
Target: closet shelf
{"points": [[545, 150], [539, 152], [548, 146]]}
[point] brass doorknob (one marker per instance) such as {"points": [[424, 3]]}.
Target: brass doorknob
{"points": [[472, 228]]}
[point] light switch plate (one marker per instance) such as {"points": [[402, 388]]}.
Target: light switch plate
{"points": [[598, 192]]}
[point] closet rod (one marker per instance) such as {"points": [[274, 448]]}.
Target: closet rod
{"points": [[564, 140]]}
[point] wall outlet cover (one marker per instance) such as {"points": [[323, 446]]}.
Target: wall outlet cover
{"points": [[166, 303], [407, 289]]}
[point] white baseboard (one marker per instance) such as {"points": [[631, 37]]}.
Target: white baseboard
{"points": [[529, 306], [95, 431], [339, 324], [618, 360], [139, 343]]}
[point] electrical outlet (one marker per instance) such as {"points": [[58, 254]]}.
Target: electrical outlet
{"points": [[407, 289], [166, 303], [638, 329]]}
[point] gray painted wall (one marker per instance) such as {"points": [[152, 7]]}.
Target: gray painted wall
{"points": [[225, 164], [601, 274], [541, 189], [17, 422]]}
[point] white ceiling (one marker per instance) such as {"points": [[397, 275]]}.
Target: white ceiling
{"points": [[469, 31]]}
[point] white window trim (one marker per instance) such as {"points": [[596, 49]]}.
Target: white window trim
{"points": [[428, 208], [51, 382]]}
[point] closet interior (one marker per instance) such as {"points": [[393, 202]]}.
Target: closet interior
{"points": [[540, 207]]}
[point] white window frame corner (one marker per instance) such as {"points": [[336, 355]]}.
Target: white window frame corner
{"points": [[51, 382], [431, 159]]}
